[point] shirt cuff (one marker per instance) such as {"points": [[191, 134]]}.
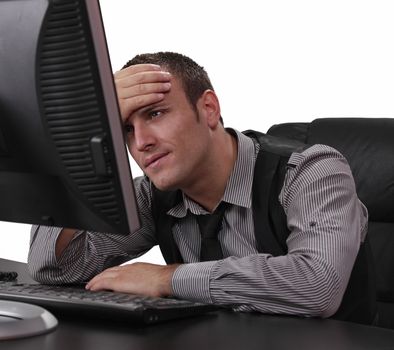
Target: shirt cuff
{"points": [[192, 281]]}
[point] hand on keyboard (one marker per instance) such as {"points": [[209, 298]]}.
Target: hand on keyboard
{"points": [[138, 278]]}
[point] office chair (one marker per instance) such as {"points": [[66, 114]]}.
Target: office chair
{"points": [[368, 145]]}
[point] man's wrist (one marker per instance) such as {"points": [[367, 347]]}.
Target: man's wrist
{"points": [[166, 280]]}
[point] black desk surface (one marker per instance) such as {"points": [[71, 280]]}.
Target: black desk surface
{"points": [[225, 330]]}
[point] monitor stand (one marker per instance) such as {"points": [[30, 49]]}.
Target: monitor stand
{"points": [[19, 320]]}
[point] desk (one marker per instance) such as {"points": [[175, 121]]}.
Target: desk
{"points": [[225, 330]]}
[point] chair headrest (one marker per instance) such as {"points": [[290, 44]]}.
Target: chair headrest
{"points": [[368, 145]]}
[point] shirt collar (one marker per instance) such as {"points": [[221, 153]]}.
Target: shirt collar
{"points": [[239, 186]]}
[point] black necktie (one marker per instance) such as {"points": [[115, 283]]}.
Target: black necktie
{"points": [[210, 226]]}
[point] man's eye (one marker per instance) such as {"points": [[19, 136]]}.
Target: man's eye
{"points": [[128, 129], [155, 114]]}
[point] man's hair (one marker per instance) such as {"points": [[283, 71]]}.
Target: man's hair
{"points": [[193, 77]]}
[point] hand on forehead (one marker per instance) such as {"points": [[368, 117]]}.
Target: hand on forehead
{"points": [[139, 86]]}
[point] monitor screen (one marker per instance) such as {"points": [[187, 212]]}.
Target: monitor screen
{"points": [[63, 159]]}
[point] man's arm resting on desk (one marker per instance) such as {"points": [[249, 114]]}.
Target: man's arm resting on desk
{"points": [[138, 278], [80, 255]]}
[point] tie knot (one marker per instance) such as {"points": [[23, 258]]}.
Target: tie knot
{"points": [[210, 224]]}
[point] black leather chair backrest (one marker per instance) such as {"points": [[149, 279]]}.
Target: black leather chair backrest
{"points": [[368, 145]]}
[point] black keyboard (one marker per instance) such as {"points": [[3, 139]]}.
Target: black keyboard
{"points": [[75, 300]]}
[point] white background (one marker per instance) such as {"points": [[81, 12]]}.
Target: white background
{"points": [[269, 61]]}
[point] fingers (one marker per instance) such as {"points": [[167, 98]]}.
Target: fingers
{"points": [[143, 89], [139, 86], [104, 280], [141, 77], [137, 68]]}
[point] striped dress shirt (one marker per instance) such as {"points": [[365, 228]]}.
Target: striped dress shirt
{"points": [[326, 219]]}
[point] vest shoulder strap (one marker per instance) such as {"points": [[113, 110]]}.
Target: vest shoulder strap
{"points": [[269, 218], [280, 146]]}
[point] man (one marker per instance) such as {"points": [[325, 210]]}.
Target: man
{"points": [[174, 132]]}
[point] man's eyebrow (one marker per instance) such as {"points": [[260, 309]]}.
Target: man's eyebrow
{"points": [[151, 107]]}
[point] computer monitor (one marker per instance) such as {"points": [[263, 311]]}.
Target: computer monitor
{"points": [[63, 159]]}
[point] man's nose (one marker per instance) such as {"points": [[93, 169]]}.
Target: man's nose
{"points": [[143, 137]]}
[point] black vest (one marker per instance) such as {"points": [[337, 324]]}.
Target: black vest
{"points": [[270, 224]]}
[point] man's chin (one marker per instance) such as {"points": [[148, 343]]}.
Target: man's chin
{"points": [[164, 185]]}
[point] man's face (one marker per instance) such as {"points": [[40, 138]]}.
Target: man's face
{"points": [[169, 141]]}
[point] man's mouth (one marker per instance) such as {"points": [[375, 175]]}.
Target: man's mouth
{"points": [[154, 160]]}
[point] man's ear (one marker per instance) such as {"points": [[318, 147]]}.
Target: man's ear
{"points": [[209, 108]]}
